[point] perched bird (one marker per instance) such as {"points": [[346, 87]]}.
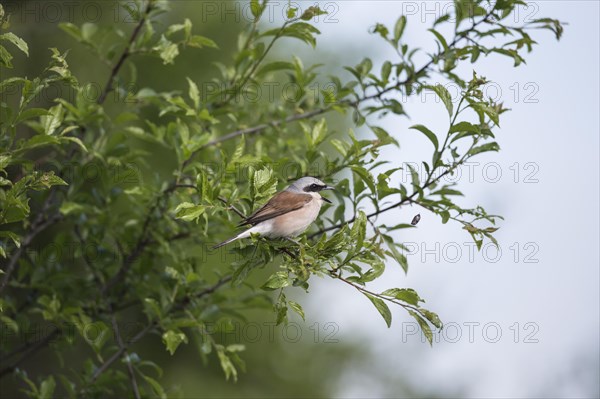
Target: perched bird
{"points": [[288, 213]]}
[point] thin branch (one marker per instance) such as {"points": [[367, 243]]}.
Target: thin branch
{"points": [[382, 210], [130, 371], [233, 208], [432, 210], [365, 291], [123, 348], [124, 55], [38, 226], [257, 129], [209, 290], [248, 76], [86, 258], [29, 348], [142, 242], [117, 355], [323, 110]]}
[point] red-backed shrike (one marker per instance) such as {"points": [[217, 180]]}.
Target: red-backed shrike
{"points": [[288, 213]]}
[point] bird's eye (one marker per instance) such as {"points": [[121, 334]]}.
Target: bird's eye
{"points": [[314, 187]]}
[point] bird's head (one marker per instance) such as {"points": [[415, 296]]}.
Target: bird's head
{"points": [[309, 184]]}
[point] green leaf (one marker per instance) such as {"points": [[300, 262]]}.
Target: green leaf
{"points": [[17, 41], [53, 120], [493, 146], [47, 180], [383, 136], [156, 387], [432, 318], [365, 176], [172, 339], [88, 30], [188, 211], [440, 38], [298, 30], [297, 308], [424, 326], [226, 364], [395, 253], [10, 323], [39, 141], [359, 230], [319, 132], [311, 12], [444, 95], [399, 28], [71, 29], [256, 9], [201, 41], [277, 280], [341, 146], [5, 58], [428, 133], [75, 140], [382, 308], [31, 113], [68, 207], [167, 50], [464, 127], [386, 69], [47, 388], [194, 93], [274, 66], [407, 295]]}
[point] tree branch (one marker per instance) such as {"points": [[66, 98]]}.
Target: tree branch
{"points": [[124, 55], [29, 349], [39, 225], [130, 371], [382, 210], [365, 291], [117, 355]]}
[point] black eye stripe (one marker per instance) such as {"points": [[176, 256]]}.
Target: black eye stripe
{"points": [[314, 187]]}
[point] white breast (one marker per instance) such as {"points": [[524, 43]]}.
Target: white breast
{"points": [[293, 223]]}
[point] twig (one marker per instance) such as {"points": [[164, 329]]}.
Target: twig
{"points": [[365, 291], [382, 210], [130, 371], [188, 299], [122, 349], [30, 348], [38, 226], [117, 355], [124, 55], [323, 110], [233, 208], [257, 129]]}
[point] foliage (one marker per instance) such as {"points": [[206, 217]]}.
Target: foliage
{"points": [[142, 239]]}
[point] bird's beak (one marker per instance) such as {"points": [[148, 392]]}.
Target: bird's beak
{"points": [[327, 188]]}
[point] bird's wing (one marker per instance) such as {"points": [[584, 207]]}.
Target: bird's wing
{"points": [[280, 204]]}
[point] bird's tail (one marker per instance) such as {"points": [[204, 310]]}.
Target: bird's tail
{"points": [[225, 242], [243, 234]]}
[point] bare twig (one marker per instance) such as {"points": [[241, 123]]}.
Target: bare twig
{"points": [[362, 289], [130, 371], [39, 225], [117, 355], [233, 208], [124, 55], [28, 349]]}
